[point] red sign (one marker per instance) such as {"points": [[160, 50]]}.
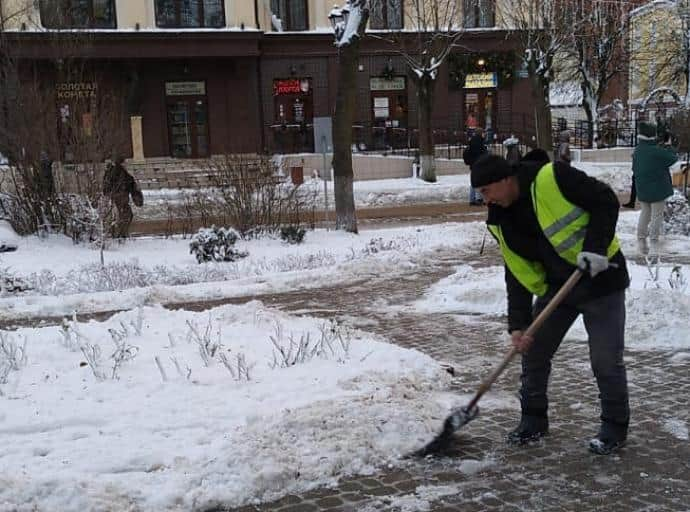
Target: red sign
{"points": [[290, 86]]}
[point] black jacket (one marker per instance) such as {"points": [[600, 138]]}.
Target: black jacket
{"points": [[117, 181], [523, 235], [475, 149]]}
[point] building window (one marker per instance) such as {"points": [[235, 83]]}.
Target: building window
{"points": [[386, 14], [292, 14], [190, 13], [479, 13], [61, 14]]}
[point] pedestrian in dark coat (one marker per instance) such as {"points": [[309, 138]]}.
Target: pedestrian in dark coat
{"points": [[474, 150], [651, 163], [512, 145], [119, 185], [550, 219], [46, 181]]}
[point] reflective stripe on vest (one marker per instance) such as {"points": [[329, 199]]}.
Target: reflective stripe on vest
{"points": [[563, 223], [530, 274]]}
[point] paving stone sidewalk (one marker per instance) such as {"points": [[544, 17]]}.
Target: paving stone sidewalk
{"points": [[480, 472]]}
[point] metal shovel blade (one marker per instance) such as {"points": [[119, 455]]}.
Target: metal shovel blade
{"points": [[457, 419]]}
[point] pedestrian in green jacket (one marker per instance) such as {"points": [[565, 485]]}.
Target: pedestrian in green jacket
{"points": [[651, 164]]}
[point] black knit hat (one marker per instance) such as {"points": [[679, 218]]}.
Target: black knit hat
{"points": [[489, 169]]}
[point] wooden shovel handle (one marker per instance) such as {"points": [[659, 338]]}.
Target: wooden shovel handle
{"points": [[531, 330]]}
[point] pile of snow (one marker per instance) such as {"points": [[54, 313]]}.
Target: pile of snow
{"points": [[617, 175], [677, 215], [7, 233], [657, 303], [205, 409], [468, 291]]}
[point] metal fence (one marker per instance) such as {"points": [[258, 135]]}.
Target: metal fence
{"points": [[449, 140], [612, 133]]}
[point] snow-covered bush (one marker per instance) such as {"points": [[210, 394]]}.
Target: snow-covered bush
{"points": [[208, 346], [333, 341], [84, 221], [376, 245], [10, 283], [677, 215], [254, 197], [73, 339], [292, 234], [12, 357], [239, 369], [215, 244], [95, 277]]}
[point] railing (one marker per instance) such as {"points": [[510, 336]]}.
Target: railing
{"points": [[612, 133], [448, 139]]}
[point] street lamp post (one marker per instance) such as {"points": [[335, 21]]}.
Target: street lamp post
{"points": [[348, 24]]}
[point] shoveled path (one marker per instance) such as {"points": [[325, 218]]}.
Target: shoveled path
{"points": [[481, 472]]}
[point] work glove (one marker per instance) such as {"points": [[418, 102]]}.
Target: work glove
{"points": [[592, 263]]}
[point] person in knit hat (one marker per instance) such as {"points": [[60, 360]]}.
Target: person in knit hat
{"points": [[550, 219], [651, 172]]}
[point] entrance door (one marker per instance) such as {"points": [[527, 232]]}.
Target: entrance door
{"points": [[188, 126], [480, 109]]}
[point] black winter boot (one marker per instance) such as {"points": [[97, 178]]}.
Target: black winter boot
{"points": [[610, 439], [530, 429]]}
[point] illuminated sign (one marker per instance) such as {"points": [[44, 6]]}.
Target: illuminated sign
{"points": [[481, 81], [291, 86]]}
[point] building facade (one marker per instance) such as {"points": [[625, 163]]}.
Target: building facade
{"points": [[658, 57], [195, 78]]}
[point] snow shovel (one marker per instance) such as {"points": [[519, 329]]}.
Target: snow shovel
{"points": [[463, 415]]}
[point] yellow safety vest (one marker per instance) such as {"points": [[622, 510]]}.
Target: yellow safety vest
{"points": [[563, 224]]}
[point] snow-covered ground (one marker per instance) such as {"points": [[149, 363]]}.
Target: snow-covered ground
{"points": [[155, 409], [227, 418]]}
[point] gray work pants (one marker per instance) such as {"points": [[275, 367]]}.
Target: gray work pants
{"points": [[604, 319], [650, 221]]}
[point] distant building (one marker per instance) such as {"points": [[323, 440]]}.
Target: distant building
{"points": [[657, 56], [207, 77]]}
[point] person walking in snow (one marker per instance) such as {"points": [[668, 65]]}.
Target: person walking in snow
{"points": [[512, 145], [563, 149], [119, 185], [651, 164], [549, 219]]}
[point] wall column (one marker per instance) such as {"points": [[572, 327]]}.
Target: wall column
{"points": [[137, 139]]}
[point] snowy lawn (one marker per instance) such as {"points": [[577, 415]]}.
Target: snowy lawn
{"points": [[64, 277], [203, 409]]}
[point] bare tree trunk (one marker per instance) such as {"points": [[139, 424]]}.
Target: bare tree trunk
{"points": [[345, 105], [542, 113], [425, 99], [588, 107]]}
